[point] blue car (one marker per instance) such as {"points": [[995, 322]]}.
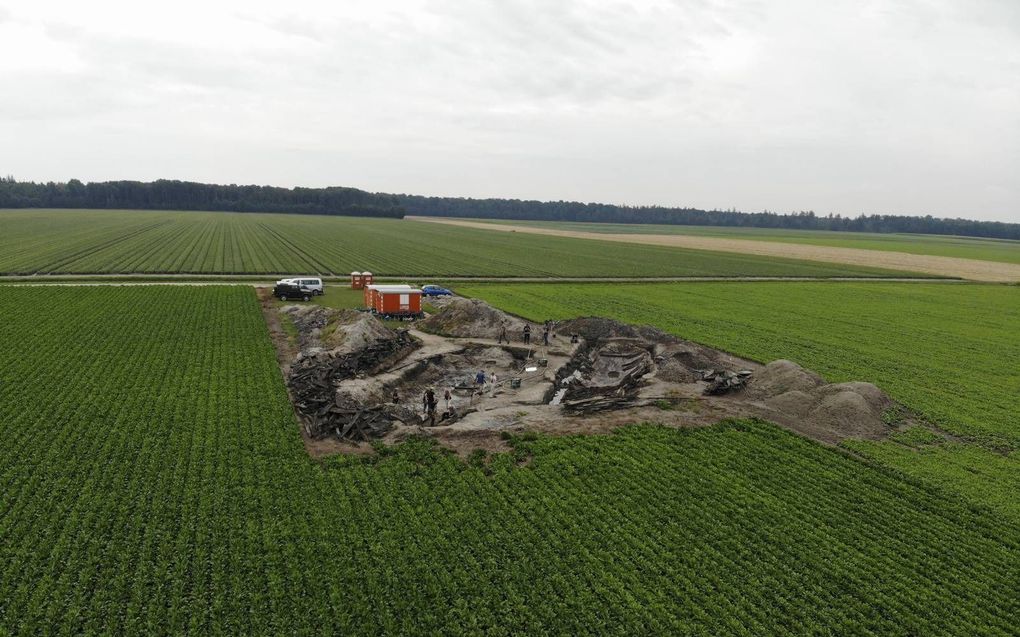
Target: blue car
{"points": [[435, 290]]}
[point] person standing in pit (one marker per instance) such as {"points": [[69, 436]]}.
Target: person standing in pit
{"points": [[502, 335], [545, 335], [527, 334], [492, 384], [431, 403], [448, 398]]}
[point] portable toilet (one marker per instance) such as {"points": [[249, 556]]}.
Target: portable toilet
{"points": [[356, 281], [366, 278]]}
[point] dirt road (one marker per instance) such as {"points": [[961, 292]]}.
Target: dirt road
{"points": [[970, 269]]}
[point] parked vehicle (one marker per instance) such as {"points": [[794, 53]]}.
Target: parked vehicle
{"points": [[312, 284], [285, 291], [435, 290]]}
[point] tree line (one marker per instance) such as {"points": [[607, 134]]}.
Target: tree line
{"points": [[606, 213], [184, 195]]}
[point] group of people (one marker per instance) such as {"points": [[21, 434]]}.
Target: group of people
{"points": [[484, 383], [430, 404], [525, 334]]}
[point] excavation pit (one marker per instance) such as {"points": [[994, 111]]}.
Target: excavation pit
{"points": [[356, 380]]}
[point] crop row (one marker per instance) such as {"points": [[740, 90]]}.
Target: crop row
{"points": [[84, 241], [154, 482]]}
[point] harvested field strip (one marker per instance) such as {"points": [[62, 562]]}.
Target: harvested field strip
{"points": [[223, 242], [971, 269], [162, 487], [982, 249]]}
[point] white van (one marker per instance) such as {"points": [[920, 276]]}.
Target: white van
{"points": [[313, 285]]}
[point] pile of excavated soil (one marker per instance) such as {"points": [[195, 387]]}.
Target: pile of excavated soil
{"points": [[472, 318], [828, 412], [693, 357], [354, 330], [340, 331], [440, 302], [309, 321], [781, 376], [677, 359], [594, 328], [672, 370]]}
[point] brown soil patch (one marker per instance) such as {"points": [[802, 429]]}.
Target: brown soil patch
{"points": [[285, 350], [596, 375], [474, 318], [971, 269], [462, 442], [286, 353]]}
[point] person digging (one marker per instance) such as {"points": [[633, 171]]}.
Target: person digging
{"points": [[430, 406]]}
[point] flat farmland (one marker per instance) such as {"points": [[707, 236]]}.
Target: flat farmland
{"points": [[974, 269], [116, 242], [1001, 250], [951, 352], [154, 482]]}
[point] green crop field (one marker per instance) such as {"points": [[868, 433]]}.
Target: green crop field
{"points": [[154, 482], [1001, 250], [107, 242], [949, 351]]}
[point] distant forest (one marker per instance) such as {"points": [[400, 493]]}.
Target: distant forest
{"points": [[605, 213], [184, 195]]}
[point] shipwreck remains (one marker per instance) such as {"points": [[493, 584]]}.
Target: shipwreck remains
{"points": [[357, 380]]}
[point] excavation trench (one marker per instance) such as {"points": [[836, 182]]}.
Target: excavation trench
{"points": [[353, 380]]}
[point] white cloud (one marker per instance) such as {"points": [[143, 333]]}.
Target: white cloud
{"points": [[908, 106]]}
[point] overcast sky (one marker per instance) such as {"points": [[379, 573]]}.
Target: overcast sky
{"points": [[891, 106]]}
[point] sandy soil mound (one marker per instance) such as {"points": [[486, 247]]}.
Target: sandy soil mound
{"points": [[782, 376], [309, 321], [796, 403], [869, 392], [672, 370], [803, 401], [472, 318], [354, 330], [340, 331], [848, 413]]}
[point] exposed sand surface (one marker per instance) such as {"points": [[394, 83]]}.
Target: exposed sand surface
{"points": [[971, 269]]}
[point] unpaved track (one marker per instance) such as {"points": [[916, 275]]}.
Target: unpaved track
{"points": [[85, 282], [971, 269]]}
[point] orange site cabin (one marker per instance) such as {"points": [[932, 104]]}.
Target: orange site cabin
{"points": [[397, 301]]}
